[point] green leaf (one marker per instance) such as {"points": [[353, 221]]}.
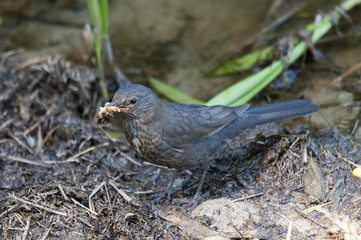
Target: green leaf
{"points": [[172, 93], [243, 63], [244, 90]]}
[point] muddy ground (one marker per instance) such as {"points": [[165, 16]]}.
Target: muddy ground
{"points": [[61, 177]]}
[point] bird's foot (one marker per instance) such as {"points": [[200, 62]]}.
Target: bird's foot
{"points": [[191, 205], [166, 194]]}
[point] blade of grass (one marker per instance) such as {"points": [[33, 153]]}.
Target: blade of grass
{"points": [[98, 49], [248, 87], [93, 6], [172, 93], [104, 17], [273, 71], [243, 63]]}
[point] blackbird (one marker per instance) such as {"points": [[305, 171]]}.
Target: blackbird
{"points": [[180, 136]]}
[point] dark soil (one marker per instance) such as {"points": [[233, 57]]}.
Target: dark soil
{"points": [[62, 177]]}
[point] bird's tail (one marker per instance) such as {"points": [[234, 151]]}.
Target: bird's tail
{"points": [[279, 111]]}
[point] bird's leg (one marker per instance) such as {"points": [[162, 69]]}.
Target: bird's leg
{"points": [[193, 204], [169, 190]]}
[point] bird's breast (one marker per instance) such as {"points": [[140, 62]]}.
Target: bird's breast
{"points": [[146, 140]]}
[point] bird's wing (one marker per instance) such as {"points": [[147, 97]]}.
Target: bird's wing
{"points": [[187, 124]]}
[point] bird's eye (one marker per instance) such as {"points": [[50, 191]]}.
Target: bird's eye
{"points": [[133, 101]]}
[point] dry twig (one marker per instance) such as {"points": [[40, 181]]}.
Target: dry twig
{"points": [[130, 159], [21, 143], [26, 230], [38, 206], [244, 198], [86, 208], [289, 220], [49, 134], [7, 211], [23, 160], [63, 193], [124, 195], [75, 157], [91, 205], [46, 234], [345, 159]]}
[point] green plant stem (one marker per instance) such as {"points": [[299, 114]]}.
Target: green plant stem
{"points": [[99, 16], [98, 47], [247, 88]]}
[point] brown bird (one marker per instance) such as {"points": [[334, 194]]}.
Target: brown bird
{"points": [[185, 135]]}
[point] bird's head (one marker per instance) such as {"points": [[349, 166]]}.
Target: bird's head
{"points": [[136, 101]]}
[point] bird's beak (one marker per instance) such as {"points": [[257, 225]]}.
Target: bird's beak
{"points": [[111, 107], [108, 110]]}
